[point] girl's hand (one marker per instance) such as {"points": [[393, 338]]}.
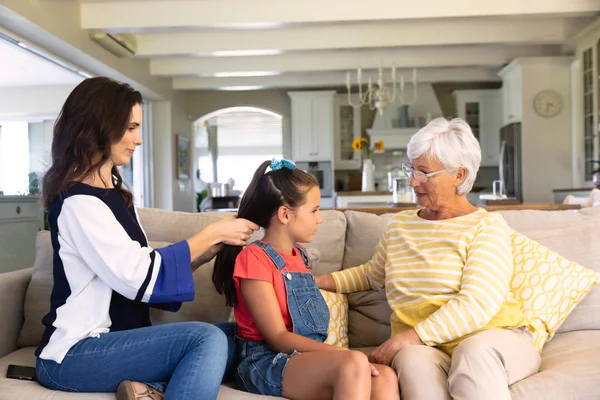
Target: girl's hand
{"points": [[374, 371]]}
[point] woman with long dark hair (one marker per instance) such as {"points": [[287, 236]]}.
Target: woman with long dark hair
{"points": [[281, 316], [98, 335]]}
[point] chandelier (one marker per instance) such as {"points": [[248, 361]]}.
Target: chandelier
{"points": [[381, 95]]}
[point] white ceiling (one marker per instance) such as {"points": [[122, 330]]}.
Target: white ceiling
{"points": [[314, 43], [20, 67]]}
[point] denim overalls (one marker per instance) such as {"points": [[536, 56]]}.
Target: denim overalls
{"points": [[261, 370]]}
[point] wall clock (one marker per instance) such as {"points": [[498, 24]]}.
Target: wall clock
{"points": [[547, 103]]}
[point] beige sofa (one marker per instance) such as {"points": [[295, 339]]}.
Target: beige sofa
{"points": [[571, 361]]}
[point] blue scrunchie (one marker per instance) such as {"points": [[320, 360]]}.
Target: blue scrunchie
{"points": [[278, 164]]}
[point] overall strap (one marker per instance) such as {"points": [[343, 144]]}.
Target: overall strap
{"points": [[304, 254], [272, 253]]}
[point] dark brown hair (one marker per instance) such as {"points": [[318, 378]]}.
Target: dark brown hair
{"points": [[265, 194], [93, 118]]}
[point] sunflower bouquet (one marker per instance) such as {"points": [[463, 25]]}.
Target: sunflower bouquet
{"points": [[362, 145]]}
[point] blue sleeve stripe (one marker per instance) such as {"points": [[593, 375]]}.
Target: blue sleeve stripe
{"points": [[174, 282], [142, 291]]}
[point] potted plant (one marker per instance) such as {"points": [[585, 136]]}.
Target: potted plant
{"points": [[362, 145]]}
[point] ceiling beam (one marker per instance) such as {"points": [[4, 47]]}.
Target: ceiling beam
{"points": [[364, 35], [333, 79], [448, 56], [127, 16]]}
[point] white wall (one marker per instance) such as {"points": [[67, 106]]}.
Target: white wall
{"points": [[426, 102], [546, 141], [169, 192], [184, 198], [200, 103], [32, 103], [162, 146]]}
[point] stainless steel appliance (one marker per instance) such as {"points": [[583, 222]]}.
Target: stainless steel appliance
{"points": [[321, 170], [510, 161]]}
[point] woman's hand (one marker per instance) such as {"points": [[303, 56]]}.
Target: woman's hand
{"points": [[234, 231], [325, 282], [207, 256], [385, 353]]}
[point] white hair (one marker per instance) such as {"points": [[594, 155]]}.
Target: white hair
{"points": [[452, 144]]}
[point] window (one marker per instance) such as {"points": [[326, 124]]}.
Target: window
{"points": [[14, 158], [588, 114], [243, 137]]}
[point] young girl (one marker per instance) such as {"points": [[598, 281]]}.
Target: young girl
{"points": [[282, 317]]}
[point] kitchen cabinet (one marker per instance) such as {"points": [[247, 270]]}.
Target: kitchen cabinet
{"points": [[312, 125], [512, 95], [20, 221], [482, 109], [347, 125]]}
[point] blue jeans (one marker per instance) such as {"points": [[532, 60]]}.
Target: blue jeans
{"points": [[190, 356]]}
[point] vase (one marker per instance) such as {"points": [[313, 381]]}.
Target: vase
{"points": [[595, 179], [368, 172]]}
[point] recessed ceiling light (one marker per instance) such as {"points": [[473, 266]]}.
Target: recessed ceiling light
{"points": [[234, 88], [242, 53], [245, 74]]}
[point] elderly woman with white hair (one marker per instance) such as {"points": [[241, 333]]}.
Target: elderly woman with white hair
{"points": [[446, 269]]}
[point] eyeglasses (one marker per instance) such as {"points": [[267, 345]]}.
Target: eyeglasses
{"points": [[418, 176]]}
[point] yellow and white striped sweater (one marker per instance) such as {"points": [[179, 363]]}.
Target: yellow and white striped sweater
{"points": [[448, 279]]}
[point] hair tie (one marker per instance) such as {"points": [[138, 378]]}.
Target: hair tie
{"points": [[278, 164]]}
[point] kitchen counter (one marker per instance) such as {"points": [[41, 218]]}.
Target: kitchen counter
{"points": [[588, 189], [360, 193], [541, 207], [357, 199]]}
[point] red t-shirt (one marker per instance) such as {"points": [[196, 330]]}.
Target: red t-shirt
{"points": [[254, 263]]}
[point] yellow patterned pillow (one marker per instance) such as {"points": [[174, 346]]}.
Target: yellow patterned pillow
{"points": [[338, 318], [548, 285]]}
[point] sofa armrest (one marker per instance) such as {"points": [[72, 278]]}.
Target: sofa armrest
{"points": [[13, 286]]}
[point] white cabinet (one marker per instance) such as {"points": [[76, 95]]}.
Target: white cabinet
{"points": [[312, 125], [482, 109], [20, 221], [512, 94], [347, 125]]}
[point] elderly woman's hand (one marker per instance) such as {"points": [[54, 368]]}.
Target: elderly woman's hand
{"points": [[385, 353]]}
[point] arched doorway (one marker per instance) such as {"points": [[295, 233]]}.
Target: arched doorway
{"points": [[232, 142]]}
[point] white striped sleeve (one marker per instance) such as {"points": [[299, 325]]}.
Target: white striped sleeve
{"points": [[484, 286], [89, 228], [369, 276]]}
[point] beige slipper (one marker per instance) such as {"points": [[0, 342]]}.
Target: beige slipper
{"points": [[126, 391]]}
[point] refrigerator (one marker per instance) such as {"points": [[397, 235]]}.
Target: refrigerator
{"points": [[510, 161]]}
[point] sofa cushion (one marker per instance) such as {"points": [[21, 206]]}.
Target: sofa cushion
{"points": [[579, 244], [337, 304], [534, 220], [369, 313], [37, 298], [548, 285], [569, 369], [163, 228]]}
